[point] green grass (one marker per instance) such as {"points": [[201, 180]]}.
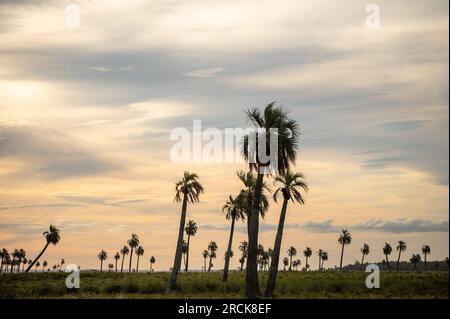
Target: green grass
{"points": [[329, 284]]}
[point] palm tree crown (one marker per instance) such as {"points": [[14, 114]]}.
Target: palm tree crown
{"points": [[387, 249], [190, 186], [401, 246], [290, 184], [345, 238]]}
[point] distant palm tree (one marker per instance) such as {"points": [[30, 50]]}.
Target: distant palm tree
{"points": [[44, 265], [292, 252], [116, 259], [139, 253], [133, 242], [110, 267], [212, 247], [152, 261], [205, 255], [184, 250], [15, 256], [188, 190], [37, 266], [272, 118], [62, 263], [425, 251], [324, 258], [4, 254], [234, 211], [52, 237], [400, 247], [344, 239], [319, 253], [290, 186], [414, 260], [285, 263], [307, 253], [103, 255], [54, 268], [24, 262], [190, 229], [124, 251], [365, 251], [243, 248], [387, 250]]}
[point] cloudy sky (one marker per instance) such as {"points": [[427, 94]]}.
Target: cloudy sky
{"points": [[86, 113]]}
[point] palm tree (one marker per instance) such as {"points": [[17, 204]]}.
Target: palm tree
{"points": [[44, 265], [212, 247], [291, 184], [54, 268], [365, 251], [24, 262], [190, 229], [387, 250], [152, 261], [187, 190], [5, 256], [273, 118], [110, 267], [344, 239], [184, 249], [37, 266], [324, 258], [400, 247], [320, 253], [139, 253], [425, 251], [124, 251], [285, 263], [243, 247], [414, 260], [307, 253], [133, 242], [116, 258], [51, 237], [205, 255], [233, 211], [15, 255], [62, 263], [103, 255], [292, 252]]}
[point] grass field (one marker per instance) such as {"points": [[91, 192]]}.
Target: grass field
{"points": [[329, 284]]}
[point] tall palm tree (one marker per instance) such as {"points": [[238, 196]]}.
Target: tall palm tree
{"points": [[133, 242], [233, 211], [152, 261], [400, 247], [52, 237], [344, 239], [425, 251], [116, 259], [184, 250], [387, 250], [5, 256], [285, 263], [124, 251], [320, 253], [324, 258], [276, 118], [103, 255], [190, 229], [290, 186], [205, 255], [307, 253], [139, 253], [414, 260], [292, 252], [212, 248], [365, 251], [187, 190], [243, 247]]}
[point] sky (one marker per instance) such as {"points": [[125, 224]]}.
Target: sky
{"points": [[88, 103]]}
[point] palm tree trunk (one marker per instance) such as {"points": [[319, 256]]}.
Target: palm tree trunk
{"points": [[101, 264], [204, 266], [137, 265], [271, 282], [187, 253], [362, 261], [37, 258], [251, 274], [387, 262], [151, 266], [131, 257], [342, 256], [398, 260], [242, 264], [116, 265], [227, 257], [123, 259], [210, 264], [425, 260], [290, 263], [178, 253], [306, 265], [320, 262]]}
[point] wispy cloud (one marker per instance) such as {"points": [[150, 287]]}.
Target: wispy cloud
{"points": [[205, 73]]}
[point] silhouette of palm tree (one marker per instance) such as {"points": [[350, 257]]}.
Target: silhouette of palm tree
{"points": [[365, 251], [285, 263], [320, 253], [307, 253], [400, 247], [124, 251], [324, 257], [44, 265], [184, 250], [234, 211], [116, 259], [287, 135], [205, 255], [152, 261], [291, 185], [37, 266], [190, 229], [52, 237], [110, 267], [414, 260], [212, 247], [425, 251], [243, 247], [133, 242], [292, 252], [387, 250], [188, 190], [4, 254], [103, 255], [139, 253], [344, 239]]}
